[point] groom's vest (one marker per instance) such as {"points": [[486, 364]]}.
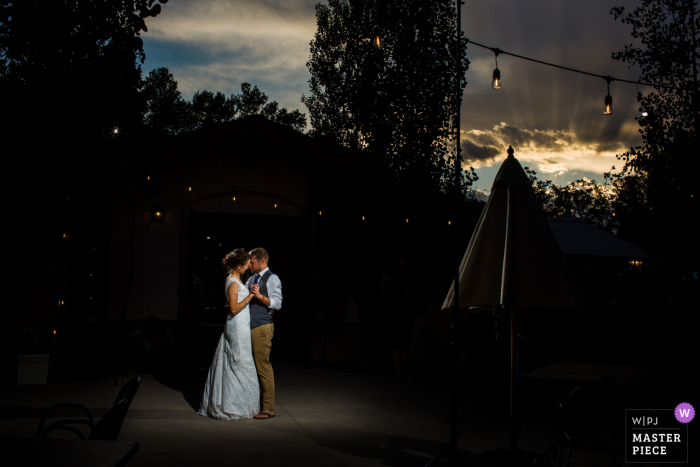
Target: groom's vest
{"points": [[259, 313]]}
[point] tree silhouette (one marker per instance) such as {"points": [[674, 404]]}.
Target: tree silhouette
{"points": [[166, 110], [70, 73], [658, 185], [168, 113], [583, 198], [397, 102]]}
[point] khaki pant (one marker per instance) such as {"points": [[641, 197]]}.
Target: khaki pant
{"points": [[261, 337]]}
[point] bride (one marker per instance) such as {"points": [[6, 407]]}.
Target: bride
{"points": [[232, 390]]}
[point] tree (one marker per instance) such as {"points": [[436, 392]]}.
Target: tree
{"points": [[397, 102], [167, 112], [70, 73], [658, 185], [583, 198]]}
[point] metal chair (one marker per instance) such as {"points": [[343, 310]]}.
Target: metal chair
{"points": [[108, 426], [577, 412]]}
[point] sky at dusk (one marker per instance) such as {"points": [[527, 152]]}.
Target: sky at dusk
{"points": [[553, 118]]}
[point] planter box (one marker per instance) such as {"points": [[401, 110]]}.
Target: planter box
{"points": [[32, 369]]}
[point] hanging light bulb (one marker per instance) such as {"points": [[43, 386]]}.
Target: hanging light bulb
{"points": [[608, 98], [496, 83]]}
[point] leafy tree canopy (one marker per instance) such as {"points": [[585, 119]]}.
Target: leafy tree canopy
{"points": [[658, 185], [70, 73], [167, 112], [583, 198], [399, 101]]}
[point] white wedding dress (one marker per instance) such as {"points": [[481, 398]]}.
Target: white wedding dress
{"points": [[232, 390]]}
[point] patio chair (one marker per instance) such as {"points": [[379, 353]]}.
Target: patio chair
{"points": [[104, 427], [578, 414]]}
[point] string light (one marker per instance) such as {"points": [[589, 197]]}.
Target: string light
{"points": [[407, 221], [234, 197], [148, 177], [449, 222], [378, 42], [54, 332], [363, 217], [608, 98], [319, 213], [496, 83]]}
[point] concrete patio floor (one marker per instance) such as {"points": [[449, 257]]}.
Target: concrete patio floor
{"points": [[324, 418]]}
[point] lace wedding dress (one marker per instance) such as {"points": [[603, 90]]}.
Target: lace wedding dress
{"points": [[232, 390]]}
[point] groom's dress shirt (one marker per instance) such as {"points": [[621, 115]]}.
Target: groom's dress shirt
{"points": [[274, 288]]}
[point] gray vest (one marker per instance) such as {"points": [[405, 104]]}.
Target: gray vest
{"points": [[259, 313]]}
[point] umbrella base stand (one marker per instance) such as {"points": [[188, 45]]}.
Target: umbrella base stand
{"points": [[447, 452], [508, 458]]}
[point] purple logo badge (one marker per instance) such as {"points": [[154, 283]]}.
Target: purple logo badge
{"points": [[684, 412]]}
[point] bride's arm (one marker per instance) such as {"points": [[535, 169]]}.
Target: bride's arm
{"points": [[233, 298]]}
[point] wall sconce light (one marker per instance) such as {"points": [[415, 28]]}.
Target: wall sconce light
{"points": [[158, 213]]}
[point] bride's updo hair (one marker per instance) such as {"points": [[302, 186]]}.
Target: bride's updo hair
{"points": [[235, 259]]}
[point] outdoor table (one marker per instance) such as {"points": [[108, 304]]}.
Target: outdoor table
{"points": [[65, 452], [585, 372], [582, 374]]}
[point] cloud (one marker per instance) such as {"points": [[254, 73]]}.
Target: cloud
{"points": [[218, 44], [548, 151], [475, 152]]}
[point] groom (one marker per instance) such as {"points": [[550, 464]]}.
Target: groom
{"points": [[267, 289]]}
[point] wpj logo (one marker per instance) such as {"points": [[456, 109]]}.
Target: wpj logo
{"points": [[655, 435]]}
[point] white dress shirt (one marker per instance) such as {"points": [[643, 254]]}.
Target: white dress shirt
{"points": [[274, 288]]}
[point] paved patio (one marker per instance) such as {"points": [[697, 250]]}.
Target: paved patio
{"points": [[324, 418]]}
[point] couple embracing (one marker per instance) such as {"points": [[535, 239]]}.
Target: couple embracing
{"points": [[241, 383]]}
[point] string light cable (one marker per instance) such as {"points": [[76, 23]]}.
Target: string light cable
{"points": [[498, 51]]}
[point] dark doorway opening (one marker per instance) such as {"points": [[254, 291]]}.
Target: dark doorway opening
{"points": [[288, 241]]}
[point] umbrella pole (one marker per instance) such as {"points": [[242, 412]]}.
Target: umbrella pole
{"points": [[513, 383]]}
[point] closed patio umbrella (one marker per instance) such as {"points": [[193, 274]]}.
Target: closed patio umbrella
{"points": [[513, 260]]}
